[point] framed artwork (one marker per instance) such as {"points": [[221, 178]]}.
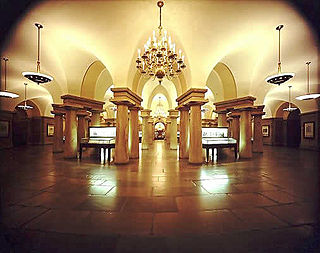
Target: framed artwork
{"points": [[308, 130], [4, 128], [50, 130], [266, 131]]}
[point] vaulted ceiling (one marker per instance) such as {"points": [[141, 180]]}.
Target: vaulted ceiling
{"points": [[230, 48]]}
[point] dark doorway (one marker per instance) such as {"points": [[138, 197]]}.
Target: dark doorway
{"points": [[293, 129], [20, 128]]}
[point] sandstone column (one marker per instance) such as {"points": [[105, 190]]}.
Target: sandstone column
{"points": [[95, 118], [145, 115], [184, 133], [58, 132], [195, 148], [150, 131], [168, 128], [122, 131], [236, 129], [222, 119], [134, 132], [173, 114], [70, 147], [245, 133], [257, 134], [81, 125]]}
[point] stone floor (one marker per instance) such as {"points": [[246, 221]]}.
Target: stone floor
{"points": [[158, 203]]}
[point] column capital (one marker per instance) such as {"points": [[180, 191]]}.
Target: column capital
{"points": [[72, 107], [82, 113], [193, 96], [135, 108], [173, 113], [58, 109], [145, 113], [183, 108], [235, 103], [71, 100], [125, 96]]}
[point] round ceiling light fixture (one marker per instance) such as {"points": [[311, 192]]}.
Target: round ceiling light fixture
{"points": [[279, 78], [38, 77], [309, 95], [290, 109], [24, 106], [5, 93]]}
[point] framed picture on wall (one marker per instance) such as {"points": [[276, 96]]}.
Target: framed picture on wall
{"points": [[308, 130], [266, 131], [50, 130], [4, 128]]}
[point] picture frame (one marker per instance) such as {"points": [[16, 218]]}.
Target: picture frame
{"points": [[50, 130], [265, 130], [308, 130], [4, 128]]}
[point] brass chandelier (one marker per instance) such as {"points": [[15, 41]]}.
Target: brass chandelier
{"points": [[159, 58]]}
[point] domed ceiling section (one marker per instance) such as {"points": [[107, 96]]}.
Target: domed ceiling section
{"points": [[239, 34]]}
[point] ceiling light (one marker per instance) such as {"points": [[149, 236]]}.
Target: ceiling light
{"points": [[290, 109], [24, 106], [5, 93], [309, 95], [279, 78], [159, 58], [38, 77]]}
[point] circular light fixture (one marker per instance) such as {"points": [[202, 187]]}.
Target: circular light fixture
{"points": [[290, 109], [25, 106], [280, 77], [309, 95], [38, 77], [5, 93]]}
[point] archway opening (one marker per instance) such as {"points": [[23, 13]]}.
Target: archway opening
{"points": [[293, 129], [159, 131]]}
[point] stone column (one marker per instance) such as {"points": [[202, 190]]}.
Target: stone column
{"points": [[81, 126], [245, 146], [145, 115], [222, 119], [184, 133], [150, 131], [236, 129], [58, 133], [134, 132], [70, 147], [173, 114], [122, 131], [86, 129], [257, 134], [95, 118], [195, 148], [168, 128]]}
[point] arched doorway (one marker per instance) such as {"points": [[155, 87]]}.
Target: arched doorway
{"points": [[20, 128], [159, 131], [293, 129]]}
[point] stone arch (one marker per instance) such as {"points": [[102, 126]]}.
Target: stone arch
{"points": [[90, 79], [35, 112], [280, 113], [222, 83], [157, 90]]}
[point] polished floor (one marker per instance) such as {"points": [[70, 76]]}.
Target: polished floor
{"points": [[158, 203]]}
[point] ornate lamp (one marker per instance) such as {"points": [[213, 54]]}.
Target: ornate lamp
{"points": [[279, 78], [5, 93], [159, 58], [309, 95], [290, 109], [24, 106], [38, 77]]}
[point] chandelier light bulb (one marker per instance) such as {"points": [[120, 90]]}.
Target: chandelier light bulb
{"points": [[309, 95], [279, 78]]}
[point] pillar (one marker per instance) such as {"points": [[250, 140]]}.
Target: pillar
{"points": [[58, 133], [245, 146], [195, 148], [81, 126], [134, 133], [122, 130], [95, 118], [70, 147], [145, 114], [236, 129], [222, 119], [257, 134], [173, 114], [168, 128], [184, 133], [150, 131]]}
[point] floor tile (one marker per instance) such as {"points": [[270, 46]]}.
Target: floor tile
{"points": [[102, 203]]}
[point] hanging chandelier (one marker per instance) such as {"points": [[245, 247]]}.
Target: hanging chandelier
{"points": [[290, 109], [159, 58], [38, 77], [309, 95], [159, 110], [24, 106], [279, 78], [5, 93]]}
